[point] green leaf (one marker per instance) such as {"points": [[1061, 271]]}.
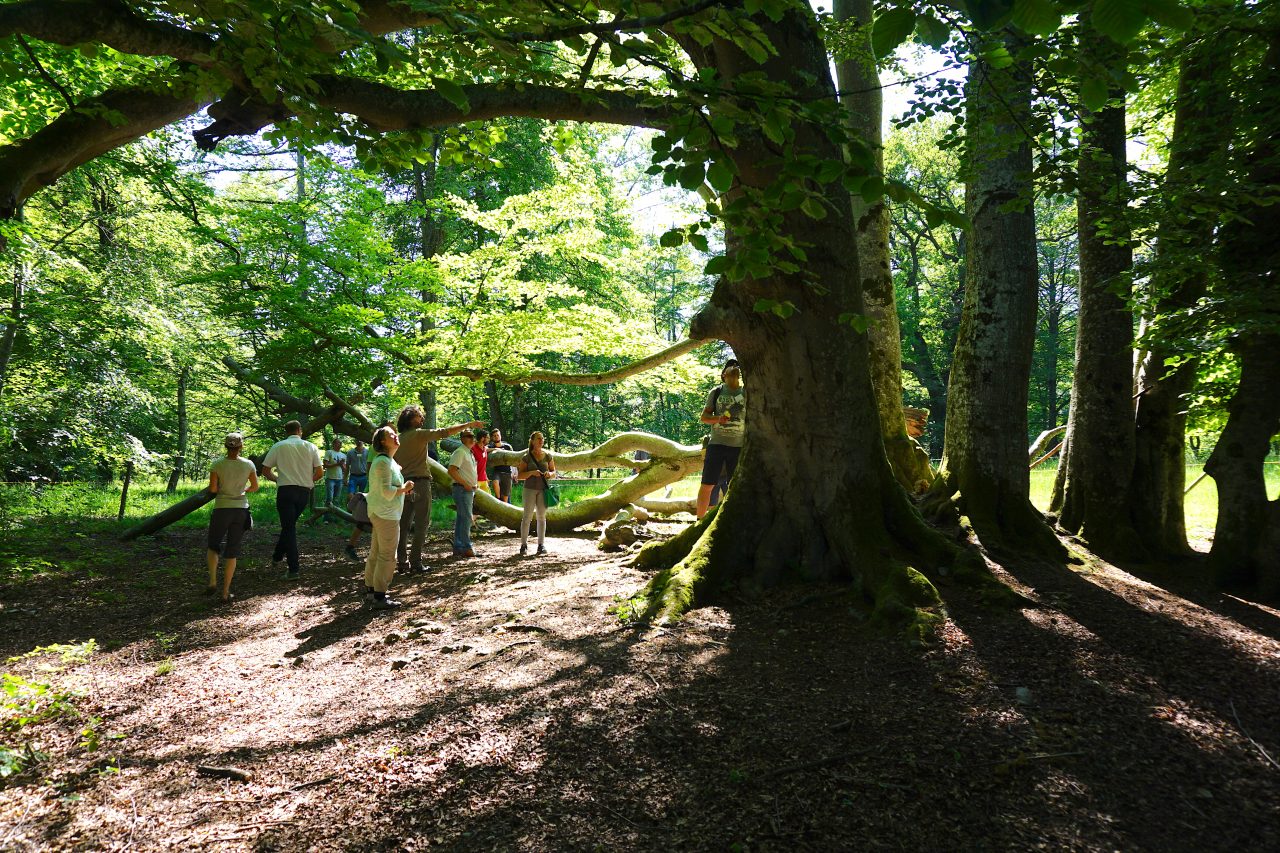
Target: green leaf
{"points": [[718, 265], [764, 306], [988, 14], [859, 322], [890, 30], [997, 57], [932, 32], [1119, 20], [1038, 17], [813, 207], [720, 176], [452, 93], [692, 175], [699, 242], [1093, 93], [671, 239], [1169, 13]]}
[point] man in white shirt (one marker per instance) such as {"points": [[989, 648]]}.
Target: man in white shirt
{"points": [[462, 470], [298, 466]]}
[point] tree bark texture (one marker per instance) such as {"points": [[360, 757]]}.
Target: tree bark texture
{"points": [[986, 433], [1201, 131], [1246, 542], [796, 510], [1100, 429], [14, 319], [180, 459], [863, 100]]}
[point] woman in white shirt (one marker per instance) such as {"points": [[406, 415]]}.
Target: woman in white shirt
{"points": [[387, 489]]}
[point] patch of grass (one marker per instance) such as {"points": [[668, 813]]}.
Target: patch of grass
{"points": [[164, 667], [1200, 504], [26, 702]]}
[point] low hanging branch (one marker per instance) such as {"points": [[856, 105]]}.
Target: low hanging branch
{"points": [[669, 463], [607, 377]]}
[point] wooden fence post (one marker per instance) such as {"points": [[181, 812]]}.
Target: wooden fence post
{"points": [[124, 492]]}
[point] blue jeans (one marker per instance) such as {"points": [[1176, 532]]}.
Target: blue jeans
{"points": [[332, 491], [358, 483], [463, 500]]}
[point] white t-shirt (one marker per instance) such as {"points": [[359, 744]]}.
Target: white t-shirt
{"points": [[465, 461], [297, 460], [334, 473]]}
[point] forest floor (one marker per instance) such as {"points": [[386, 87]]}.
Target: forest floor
{"points": [[505, 708]]}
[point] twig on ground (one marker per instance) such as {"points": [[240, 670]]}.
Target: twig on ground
{"points": [[1239, 724], [224, 772], [1024, 759], [313, 783], [661, 698]]}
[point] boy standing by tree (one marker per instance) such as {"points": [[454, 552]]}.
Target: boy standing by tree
{"points": [[725, 411]]}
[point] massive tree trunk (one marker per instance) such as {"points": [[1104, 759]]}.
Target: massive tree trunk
{"points": [[796, 510], [180, 458], [1201, 130], [986, 434], [1100, 431], [864, 101], [1246, 542]]}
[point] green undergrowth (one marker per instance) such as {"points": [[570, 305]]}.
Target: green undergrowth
{"points": [[31, 700]]}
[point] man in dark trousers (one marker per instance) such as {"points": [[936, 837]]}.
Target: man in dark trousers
{"points": [[298, 466]]}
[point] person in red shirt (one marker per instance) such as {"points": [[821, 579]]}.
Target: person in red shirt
{"points": [[480, 450]]}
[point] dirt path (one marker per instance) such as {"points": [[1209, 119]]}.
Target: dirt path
{"points": [[504, 709]]}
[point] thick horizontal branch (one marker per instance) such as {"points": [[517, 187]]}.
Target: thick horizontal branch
{"points": [[96, 127], [387, 108], [111, 24], [606, 378]]}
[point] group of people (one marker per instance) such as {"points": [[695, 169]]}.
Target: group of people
{"points": [[397, 471]]}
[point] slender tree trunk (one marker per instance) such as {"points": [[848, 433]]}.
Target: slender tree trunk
{"points": [[1201, 130], [985, 457], [14, 319], [520, 431], [1100, 430], [495, 408], [180, 460], [864, 102], [431, 238], [1053, 331]]}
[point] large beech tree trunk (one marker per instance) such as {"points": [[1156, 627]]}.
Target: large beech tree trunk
{"points": [[1201, 130], [1100, 431], [796, 510], [985, 455], [1246, 542], [864, 101]]}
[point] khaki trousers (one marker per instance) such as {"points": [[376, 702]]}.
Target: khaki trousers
{"points": [[381, 564]]}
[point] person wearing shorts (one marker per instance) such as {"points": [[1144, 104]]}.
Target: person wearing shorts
{"points": [[231, 479], [726, 412], [500, 476]]}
